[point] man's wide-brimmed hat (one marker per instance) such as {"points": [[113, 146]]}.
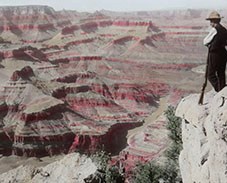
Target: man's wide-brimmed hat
{"points": [[214, 15]]}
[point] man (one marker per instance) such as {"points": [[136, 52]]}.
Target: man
{"points": [[217, 54]]}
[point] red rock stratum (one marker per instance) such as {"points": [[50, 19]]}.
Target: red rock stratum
{"points": [[75, 81]]}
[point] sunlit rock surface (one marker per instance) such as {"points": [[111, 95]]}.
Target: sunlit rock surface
{"points": [[72, 168], [203, 158]]}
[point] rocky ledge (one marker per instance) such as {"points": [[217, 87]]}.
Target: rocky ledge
{"points": [[204, 134], [72, 168]]}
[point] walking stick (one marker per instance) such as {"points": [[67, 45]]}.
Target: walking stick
{"points": [[204, 84]]}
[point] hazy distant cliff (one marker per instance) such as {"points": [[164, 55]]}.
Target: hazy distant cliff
{"points": [[204, 133]]}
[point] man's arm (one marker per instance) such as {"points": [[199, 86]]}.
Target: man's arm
{"points": [[207, 40]]}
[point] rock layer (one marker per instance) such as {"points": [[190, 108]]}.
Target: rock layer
{"points": [[34, 123], [86, 78]]}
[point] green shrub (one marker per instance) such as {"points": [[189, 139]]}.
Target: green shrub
{"points": [[101, 159], [113, 175], [148, 172], [109, 174], [173, 125]]}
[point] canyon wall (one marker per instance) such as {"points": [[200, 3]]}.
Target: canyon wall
{"points": [[74, 81]]}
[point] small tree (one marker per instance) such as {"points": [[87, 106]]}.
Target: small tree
{"points": [[101, 159], [113, 175], [172, 171], [148, 172], [109, 173], [173, 125]]}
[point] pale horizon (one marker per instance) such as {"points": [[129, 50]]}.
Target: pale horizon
{"points": [[120, 5]]}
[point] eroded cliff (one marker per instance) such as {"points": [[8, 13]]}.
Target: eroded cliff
{"points": [[204, 134], [71, 81]]}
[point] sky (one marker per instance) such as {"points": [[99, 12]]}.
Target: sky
{"points": [[120, 5]]}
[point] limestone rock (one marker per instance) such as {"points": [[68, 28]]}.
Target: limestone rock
{"points": [[204, 134], [72, 168], [21, 174]]}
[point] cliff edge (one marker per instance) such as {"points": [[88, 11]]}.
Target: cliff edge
{"points": [[204, 134], [71, 168]]}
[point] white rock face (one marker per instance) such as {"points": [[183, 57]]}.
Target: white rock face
{"points": [[204, 134], [72, 168], [20, 174]]}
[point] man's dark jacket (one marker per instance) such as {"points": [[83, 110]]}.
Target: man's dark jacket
{"points": [[217, 58]]}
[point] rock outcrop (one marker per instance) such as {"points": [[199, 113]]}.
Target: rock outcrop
{"points": [[204, 133], [72, 168], [27, 53]]}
